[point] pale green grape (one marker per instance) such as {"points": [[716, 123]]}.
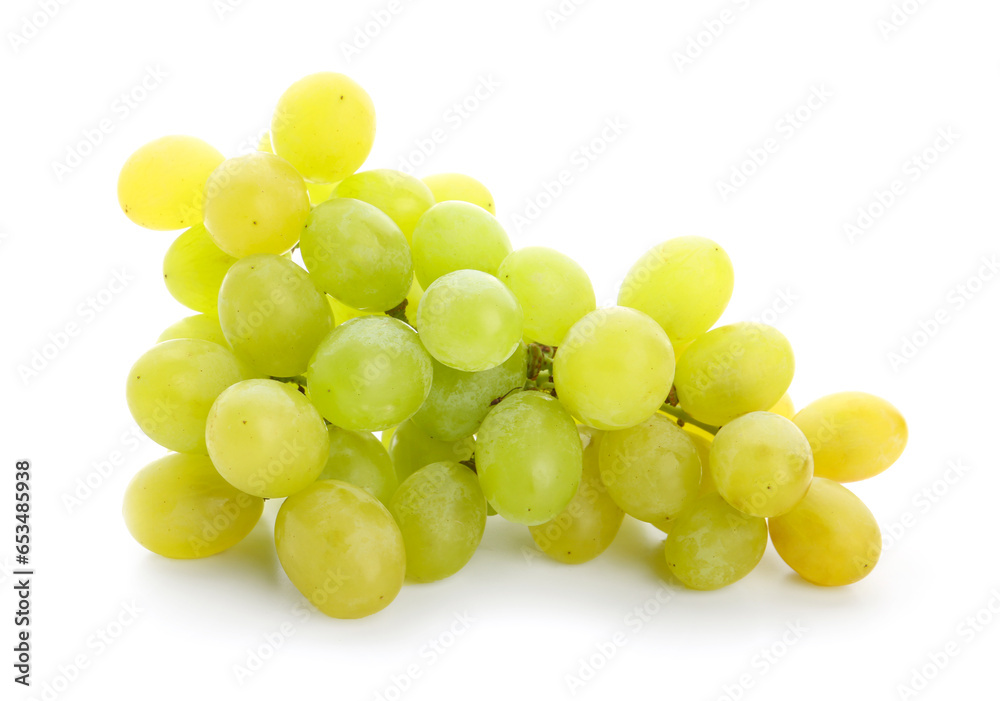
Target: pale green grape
{"points": [[853, 435], [711, 545], [255, 203], [341, 549], [441, 512], [411, 449], [469, 321], [784, 407], [614, 369], [200, 326], [529, 458], [761, 464], [162, 185], [554, 292], [733, 370], [457, 236], [272, 314], [179, 506], [589, 523], [455, 186], [358, 458], [403, 197], [652, 470], [193, 270], [265, 143], [266, 439], [684, 284], [370, 374], [459, 401], [830, 538], [171, 388], [324, 125], [357, 254]]}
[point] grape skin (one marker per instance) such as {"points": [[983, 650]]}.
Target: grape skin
{"points": [[194, 268], [454, 236], [411, 449], [454, 186], [359, 458], [403, 197]]}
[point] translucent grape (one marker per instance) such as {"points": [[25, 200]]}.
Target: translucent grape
{"points": [[266, 439], [357, 254], [529, 458], [200, 326], [853, 435], [457, 236], [614, 369], [193, 270], [454, 186], [411, 449], [171, 388], [830, 538], [341, 549], [272, 314], [162, 185], [255, 203], [469, 321], [652, 470], [589, 523], [324, 125], [403, 197], [459, 401], [358, 458], [554, 291], [179, 507], [711, 545], [370, 374], [761, 464], [441, 512], [684, 284], [733, 370], [784, 407]]}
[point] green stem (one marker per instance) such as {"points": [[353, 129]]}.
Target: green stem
{"points": [[685, 418]]}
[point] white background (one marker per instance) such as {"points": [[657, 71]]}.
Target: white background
{"points": [[533, 622]]}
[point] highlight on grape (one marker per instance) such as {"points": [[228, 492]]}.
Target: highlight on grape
{"points": [[332, 303]]}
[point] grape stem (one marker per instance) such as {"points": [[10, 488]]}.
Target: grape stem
{"points": [[540, 368], [685, 418], [399, 311]]}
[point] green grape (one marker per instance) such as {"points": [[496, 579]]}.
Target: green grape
{"points": [[370, 374], [265, 143], [529, 458], [733, 370], [162, 185], [459, 401], [403, 197], [457, 236], [358, 458], [652, 470], [411, 449], [441, 512], [343, 313], [200, 326], [554, 292], [357, 254], [853, 435], [266, 439], [255, 203], [172, 386], [684, 284], [761, 464], [469, 321], [711, 545], [324, 125], [272, 314], [319, 192], [454, 186], [193, 270], [784, 407], [179, 507], [830, 538], [614, 369], [385, 437], [589, 523], [341, 549]]}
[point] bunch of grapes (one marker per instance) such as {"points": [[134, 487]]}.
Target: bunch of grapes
{"points": [[334, 304]]}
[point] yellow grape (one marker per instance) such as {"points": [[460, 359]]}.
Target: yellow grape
{"points": [[455, 186], [200, 326], [403, 197], [784, 407], [193, 270]]}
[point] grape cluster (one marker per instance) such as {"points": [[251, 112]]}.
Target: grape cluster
{"points": [[334, 304]]}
